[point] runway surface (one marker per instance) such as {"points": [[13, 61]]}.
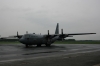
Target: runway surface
{"points": [[18, 52]]}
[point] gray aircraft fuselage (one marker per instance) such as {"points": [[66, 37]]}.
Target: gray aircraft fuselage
{"points": [[34, 39]]}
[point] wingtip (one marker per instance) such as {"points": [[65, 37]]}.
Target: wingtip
{"points": [[93, 33]]}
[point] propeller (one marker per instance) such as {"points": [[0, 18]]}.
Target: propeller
{"points": [[48, 33], [62, 35], [19, 36], [17, 33], [62, 31], [48, 36]]}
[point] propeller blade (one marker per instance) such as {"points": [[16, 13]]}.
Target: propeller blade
{"points": [[17, 33], [62, 31], [62, 34], [48, 37], [48, 32]]}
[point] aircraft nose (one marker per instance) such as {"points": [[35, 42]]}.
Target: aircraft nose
{"points": [[21, 40]]}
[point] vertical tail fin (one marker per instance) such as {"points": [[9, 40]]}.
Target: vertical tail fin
{"points": [[57, 29]]}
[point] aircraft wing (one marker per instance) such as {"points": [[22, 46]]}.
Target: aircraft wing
{"points": [[67, 35], [80, 33], [19, 36], [75, 34], [14, 36], [6, 37], [3, 37]]}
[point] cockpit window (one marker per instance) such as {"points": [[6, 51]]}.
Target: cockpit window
{"points": [[29, 36]]}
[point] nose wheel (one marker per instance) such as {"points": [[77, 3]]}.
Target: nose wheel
{"points": [[38, 45], [26, 45], [48, 44]]}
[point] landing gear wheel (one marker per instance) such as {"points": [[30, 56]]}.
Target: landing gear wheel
{"points": [[26, 45], [38, 45], [48, 45]]}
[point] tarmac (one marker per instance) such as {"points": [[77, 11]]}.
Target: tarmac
{"points": [[56, 55]]}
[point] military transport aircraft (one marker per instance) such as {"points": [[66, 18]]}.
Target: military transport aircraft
{"points": [[47, 39]]}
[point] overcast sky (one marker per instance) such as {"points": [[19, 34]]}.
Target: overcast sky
{"points": [[74, 16]]}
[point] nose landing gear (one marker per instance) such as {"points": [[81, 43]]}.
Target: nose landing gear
{"points": [[48, 44], [26, 45], [38, 45]]}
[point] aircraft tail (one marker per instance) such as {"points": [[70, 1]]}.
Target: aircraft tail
{"points": [[57, 29]]}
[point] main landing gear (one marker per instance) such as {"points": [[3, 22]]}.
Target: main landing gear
{"points": [[48, 45], [26, 45], [38, 45]]}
